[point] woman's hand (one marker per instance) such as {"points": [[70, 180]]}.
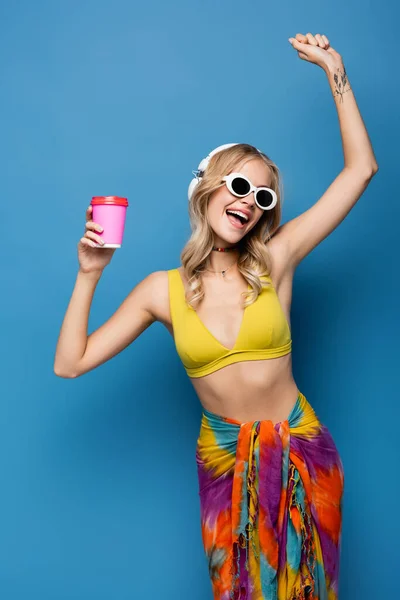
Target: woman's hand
{"points": [[90, 254], [316, 49]]}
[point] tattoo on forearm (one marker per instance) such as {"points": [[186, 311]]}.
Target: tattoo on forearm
{"points": [[341, 83]]}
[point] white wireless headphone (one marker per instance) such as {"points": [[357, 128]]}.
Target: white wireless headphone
{"points": [[202, 167]]}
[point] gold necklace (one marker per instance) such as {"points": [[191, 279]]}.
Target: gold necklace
{"points": [[222, 272]]}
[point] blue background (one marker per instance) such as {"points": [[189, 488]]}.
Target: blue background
{"points": [[99, 486]]}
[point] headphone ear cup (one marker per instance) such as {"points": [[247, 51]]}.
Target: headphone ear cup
{"points": [[192, 186], [203, 164]]}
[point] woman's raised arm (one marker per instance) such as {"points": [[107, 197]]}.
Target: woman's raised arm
{"points": [[303, 233], [76, 352]]}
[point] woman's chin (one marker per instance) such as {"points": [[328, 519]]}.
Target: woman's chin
{"points": [[226, 239]]}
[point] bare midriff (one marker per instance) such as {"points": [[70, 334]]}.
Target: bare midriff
{"points": [[250, 390]]}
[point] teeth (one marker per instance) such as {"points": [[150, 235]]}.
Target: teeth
{"points": [[238, 212]]}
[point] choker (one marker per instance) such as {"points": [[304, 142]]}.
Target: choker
{"points": [[224, 249]]}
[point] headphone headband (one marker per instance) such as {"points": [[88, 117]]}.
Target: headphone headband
{"points": [[203, 165]]}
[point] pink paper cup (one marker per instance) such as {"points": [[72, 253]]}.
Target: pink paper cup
{"points": [[110, 213]]}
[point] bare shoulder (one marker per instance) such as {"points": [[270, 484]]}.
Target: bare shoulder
{"points": [[156, 290]]}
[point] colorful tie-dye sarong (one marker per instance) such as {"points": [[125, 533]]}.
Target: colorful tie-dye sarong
{"points": [[271, 506]]}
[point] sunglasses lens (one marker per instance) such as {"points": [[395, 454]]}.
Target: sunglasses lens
{"points": [[264, 198], [240, 186]]}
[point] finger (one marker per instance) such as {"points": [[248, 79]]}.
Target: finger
{"points": [[298, 45], [311, 39], [94, 226], [301, 38], [325, 39], [95, 237], [320, 40], [89, 212], [86, 242]]}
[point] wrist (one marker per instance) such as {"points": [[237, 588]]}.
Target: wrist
{"points": [[90, 275], [334, 68]]}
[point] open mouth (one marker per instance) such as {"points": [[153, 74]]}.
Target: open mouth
{"points": [[235, 219]]}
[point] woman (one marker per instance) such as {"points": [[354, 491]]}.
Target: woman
{"points": [[270, 478]]}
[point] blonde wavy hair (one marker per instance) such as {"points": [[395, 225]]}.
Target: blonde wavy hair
{"points": [[254, 259]]}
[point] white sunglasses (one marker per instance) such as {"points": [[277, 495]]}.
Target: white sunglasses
{"points": [[240, 186]]}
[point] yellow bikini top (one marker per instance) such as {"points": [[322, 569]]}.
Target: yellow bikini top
{"points": [[264, 332]]}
